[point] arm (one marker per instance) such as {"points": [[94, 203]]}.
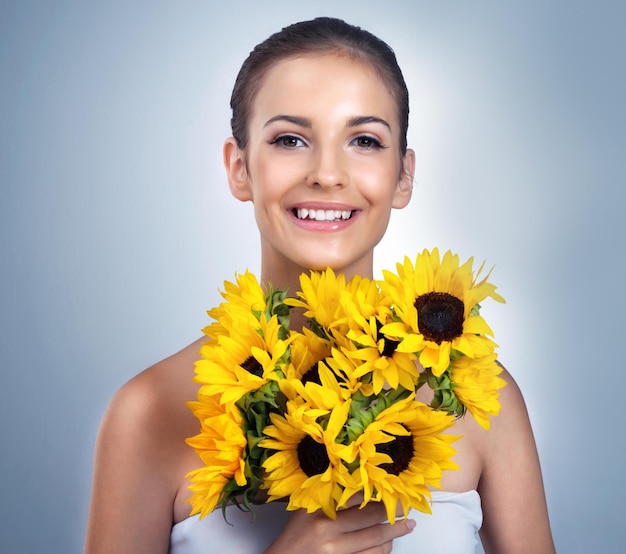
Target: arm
{"points": [[132, 496], [511, 486]]}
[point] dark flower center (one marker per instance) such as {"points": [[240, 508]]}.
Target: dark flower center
{"points": [[401, 451], [251, 365], [389, 346], [312, 456], [312, 374], [439, 316]]}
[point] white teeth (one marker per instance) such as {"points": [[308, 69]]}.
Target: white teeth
{"points": [[323, 215]]}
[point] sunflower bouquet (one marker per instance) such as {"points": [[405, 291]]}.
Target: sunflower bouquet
{"points": [[313, 416]]}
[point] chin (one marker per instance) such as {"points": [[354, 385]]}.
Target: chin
{"points": [[339, 264]]}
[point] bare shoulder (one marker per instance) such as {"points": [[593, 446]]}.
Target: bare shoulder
{"points": [[511, 431], [511, 485], [512, 425], [151, 407], [139, 457], [155, 394]]}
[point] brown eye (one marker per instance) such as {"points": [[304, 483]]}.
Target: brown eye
{"points": [[288, 141], [367, 142]]}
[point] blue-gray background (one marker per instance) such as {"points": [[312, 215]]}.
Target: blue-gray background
{"points": [[117, 228]]}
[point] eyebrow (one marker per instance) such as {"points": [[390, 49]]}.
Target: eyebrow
{"points": [[356, 121], [300, 121], [304, 122]]}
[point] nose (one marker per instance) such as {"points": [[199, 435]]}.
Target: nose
{"points": [[328, 168]]}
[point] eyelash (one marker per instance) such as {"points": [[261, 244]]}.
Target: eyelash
{"points": [[281, 140], [373, 142]]}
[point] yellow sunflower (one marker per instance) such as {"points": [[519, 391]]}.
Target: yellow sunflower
{"points": [[351, 371], [437, 301], [365, 312], [378, 356], [402, 453], [307, 466], [321, 297], [306, 351], [476, 384], [220, 445], [243, 299], [361, 301], [307, 377], [325, 394], [242, 362]]}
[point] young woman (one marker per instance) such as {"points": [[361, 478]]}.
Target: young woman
{"points": [[320, 115]]}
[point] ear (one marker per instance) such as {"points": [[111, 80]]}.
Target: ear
{"points": [[236, 171], [405, 184]]}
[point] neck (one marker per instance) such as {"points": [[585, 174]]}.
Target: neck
{"points": [[287, 275], [282, 278]]}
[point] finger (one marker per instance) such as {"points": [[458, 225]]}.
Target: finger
{"points": [[380, 549], [355, 518], [354, 500], [400, 511], [357, 499], [376, 538]]}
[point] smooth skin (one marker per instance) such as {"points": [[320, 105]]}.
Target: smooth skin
{"points": [[323, 134]]}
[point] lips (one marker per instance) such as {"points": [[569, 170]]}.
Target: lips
{"points": [[312, 214]]}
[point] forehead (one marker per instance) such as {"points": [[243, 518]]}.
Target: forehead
{"points": [[324, 81]]}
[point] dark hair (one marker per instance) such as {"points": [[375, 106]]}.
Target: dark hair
{"points": [[320, 35]]}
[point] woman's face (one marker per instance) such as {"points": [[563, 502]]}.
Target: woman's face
{"points": [[323, 165]]}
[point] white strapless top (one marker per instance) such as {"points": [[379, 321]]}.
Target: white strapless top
{"points": [[452, 528]]}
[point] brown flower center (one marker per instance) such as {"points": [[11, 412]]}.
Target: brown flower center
{"points": [[312, 456], [440, 316], [389, 345], [311, 374], [251, 365], [401, 451]]}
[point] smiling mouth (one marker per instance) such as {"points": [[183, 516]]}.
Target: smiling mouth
{"points": [[323, 215]]}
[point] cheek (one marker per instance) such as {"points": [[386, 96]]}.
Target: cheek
{"points": [[378, 185], [276, 174]]}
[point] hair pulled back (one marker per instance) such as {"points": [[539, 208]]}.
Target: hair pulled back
{"points": [[318, 36]]}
